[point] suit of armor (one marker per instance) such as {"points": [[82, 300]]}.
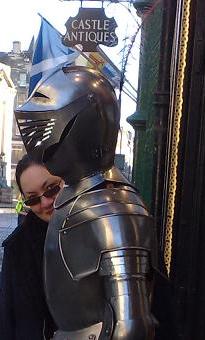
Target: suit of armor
{"points": [[100, 246]]}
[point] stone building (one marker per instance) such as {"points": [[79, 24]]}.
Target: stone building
{"points": [[19, 63], [7, 98]]}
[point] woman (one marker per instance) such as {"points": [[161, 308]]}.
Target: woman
{"points": [[23, 310]]}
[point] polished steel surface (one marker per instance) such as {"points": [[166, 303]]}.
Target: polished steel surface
{"points": [[128, 291], [100, 245], [99, 260], [85, 184], [89, 333], [71, 120]]}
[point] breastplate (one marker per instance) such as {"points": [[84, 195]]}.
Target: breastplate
{"points": [[85, 225]]}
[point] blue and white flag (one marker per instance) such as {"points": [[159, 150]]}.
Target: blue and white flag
{"points": [[49, 53]]}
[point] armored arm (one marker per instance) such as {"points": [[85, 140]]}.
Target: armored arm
{"points": [[127, 284], [107, 253]]}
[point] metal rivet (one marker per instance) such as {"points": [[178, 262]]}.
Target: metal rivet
{"points": [[92, 337]]}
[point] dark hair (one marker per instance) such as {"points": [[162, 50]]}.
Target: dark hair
{"points": [[24, 164]]}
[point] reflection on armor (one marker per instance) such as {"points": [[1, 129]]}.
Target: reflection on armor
{"points": [[100, 246]]}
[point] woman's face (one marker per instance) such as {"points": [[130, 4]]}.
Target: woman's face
{"points": [[36, 180]]}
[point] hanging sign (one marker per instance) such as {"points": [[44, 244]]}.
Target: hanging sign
{"points": [[90, 27]]}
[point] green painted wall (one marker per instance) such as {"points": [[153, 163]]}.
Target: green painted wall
{"points": [[148, 80]]}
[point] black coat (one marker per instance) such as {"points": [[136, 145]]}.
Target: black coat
{"points": [[24, 314]]}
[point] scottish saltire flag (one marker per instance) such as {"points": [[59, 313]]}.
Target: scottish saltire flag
{"points": [[112, 74], [49, 53], [104, 64], [101, 61]]}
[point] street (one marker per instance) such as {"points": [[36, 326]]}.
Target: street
{"points": [[8, 222]]}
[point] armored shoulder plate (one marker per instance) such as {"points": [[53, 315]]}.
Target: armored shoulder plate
{"points": [[102, 215], [86, 184], [100, 221]]}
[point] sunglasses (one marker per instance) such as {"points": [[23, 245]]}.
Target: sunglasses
{"points": [[48, 193]]}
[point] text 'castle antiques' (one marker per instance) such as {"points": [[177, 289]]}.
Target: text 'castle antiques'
{"points": [[90, 28]]}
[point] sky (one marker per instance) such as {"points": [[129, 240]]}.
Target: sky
{"points": [[20, 21]]}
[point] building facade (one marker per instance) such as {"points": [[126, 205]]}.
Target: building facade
{"points": [[7, 98], [19, 63]]}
